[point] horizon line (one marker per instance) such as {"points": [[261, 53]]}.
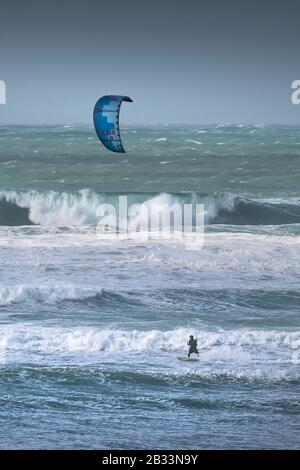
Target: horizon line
{"points": [[164, 124]]}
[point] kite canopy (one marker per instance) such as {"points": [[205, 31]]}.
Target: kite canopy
{"points": [[106, 121]]}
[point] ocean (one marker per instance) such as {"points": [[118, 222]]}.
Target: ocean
{"points": [[91, 326]]}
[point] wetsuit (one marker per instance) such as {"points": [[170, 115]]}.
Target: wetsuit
{"points": [[192, 343]]}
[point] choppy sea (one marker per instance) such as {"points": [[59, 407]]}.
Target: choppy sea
{"points": [[91, 326]]}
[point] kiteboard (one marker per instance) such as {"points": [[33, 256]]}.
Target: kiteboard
{"points": [[188, 359]]}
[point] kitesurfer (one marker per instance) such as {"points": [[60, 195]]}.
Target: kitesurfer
{"points": [[192, 343]]}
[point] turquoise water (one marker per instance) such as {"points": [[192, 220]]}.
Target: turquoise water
{"points": [[90, 326]]}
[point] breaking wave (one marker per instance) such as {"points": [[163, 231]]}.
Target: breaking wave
{"points": [[222, 345], [44, 294], [80, 208]]}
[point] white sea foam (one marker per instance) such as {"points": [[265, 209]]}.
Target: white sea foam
{"points": [[80, 208], [152, 208], [236, 346], [225, 201], [46, 294], [54, 208], [197, 142], [278, 200]]}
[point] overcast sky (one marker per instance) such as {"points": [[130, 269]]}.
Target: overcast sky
{"points": [[191, 61]]}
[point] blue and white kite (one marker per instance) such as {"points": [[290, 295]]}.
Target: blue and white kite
{"points": [[106, 121]]}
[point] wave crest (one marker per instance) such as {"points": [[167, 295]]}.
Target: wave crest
{"points": [[80, 208], [212, 345], [45, 294]]}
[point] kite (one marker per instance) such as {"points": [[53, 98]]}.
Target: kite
{"points": [[106, 121]]}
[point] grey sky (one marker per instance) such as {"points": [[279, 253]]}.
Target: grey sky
{"points": [[192, 61]]}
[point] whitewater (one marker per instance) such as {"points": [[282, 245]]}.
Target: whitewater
{"points": [[91, 325]]}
